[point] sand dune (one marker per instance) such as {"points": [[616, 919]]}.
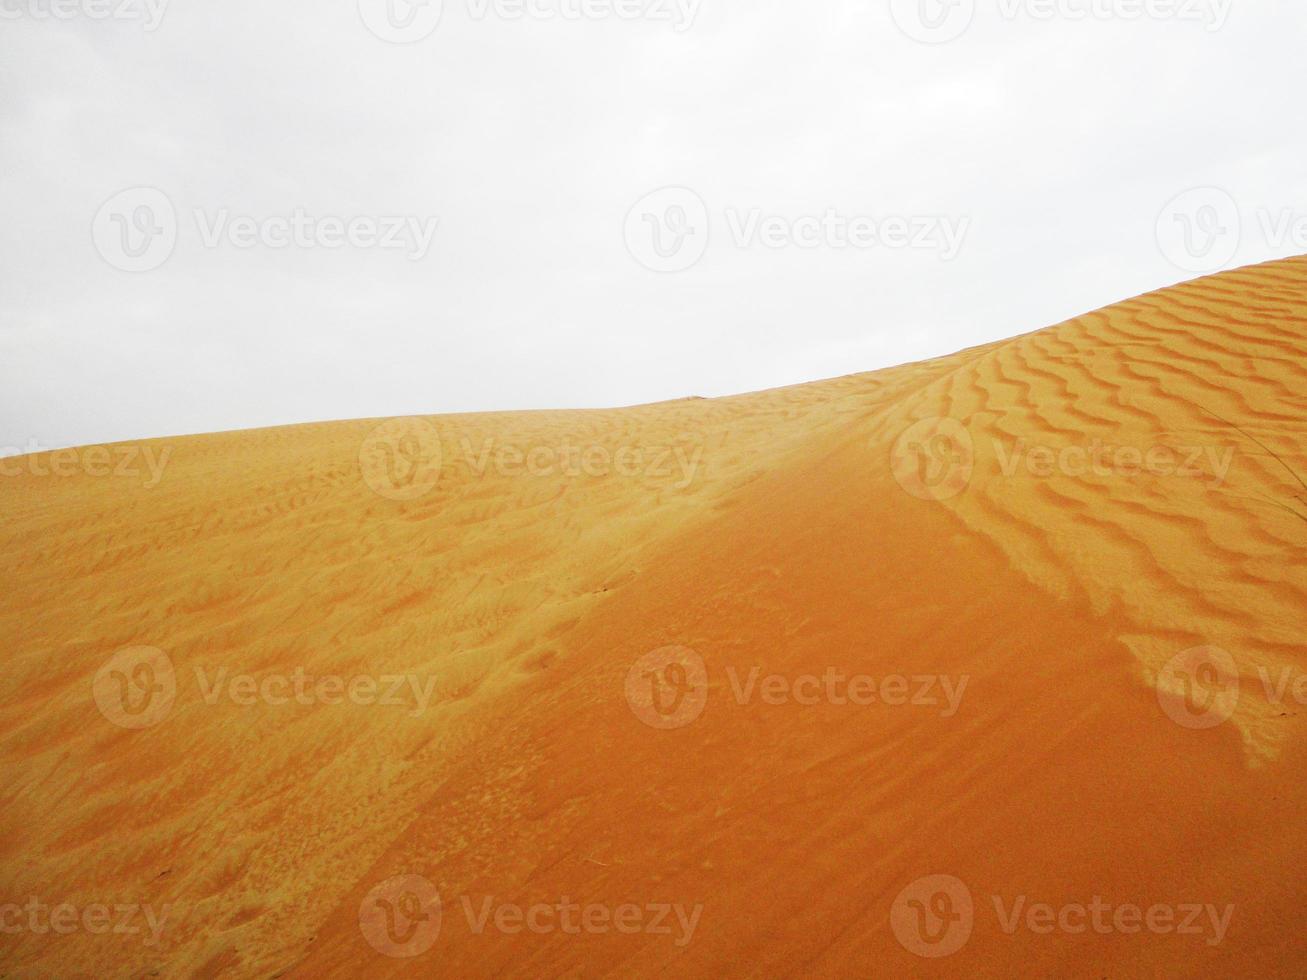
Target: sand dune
{"points": [[940, 670]]}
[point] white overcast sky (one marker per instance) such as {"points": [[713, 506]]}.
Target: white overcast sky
{"points": [[1059, 139]]}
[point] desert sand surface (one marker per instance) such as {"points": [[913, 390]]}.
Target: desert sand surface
{"points": [[984, 666]]}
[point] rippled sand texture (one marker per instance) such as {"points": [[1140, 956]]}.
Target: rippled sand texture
{"points": [[887, 524]]}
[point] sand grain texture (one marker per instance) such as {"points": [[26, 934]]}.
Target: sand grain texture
{"points": [[1061, 596]]}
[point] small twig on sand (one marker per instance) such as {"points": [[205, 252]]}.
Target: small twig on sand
{"points": [[1301, 515]]}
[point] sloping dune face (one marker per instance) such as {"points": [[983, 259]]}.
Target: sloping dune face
{"points": [[990, 665]]}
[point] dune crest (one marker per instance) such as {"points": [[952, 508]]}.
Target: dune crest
{"points": [[455, 694], [1151, 455]]}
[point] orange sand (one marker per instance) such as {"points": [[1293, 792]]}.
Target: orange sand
{"points": [[834, 526]]}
